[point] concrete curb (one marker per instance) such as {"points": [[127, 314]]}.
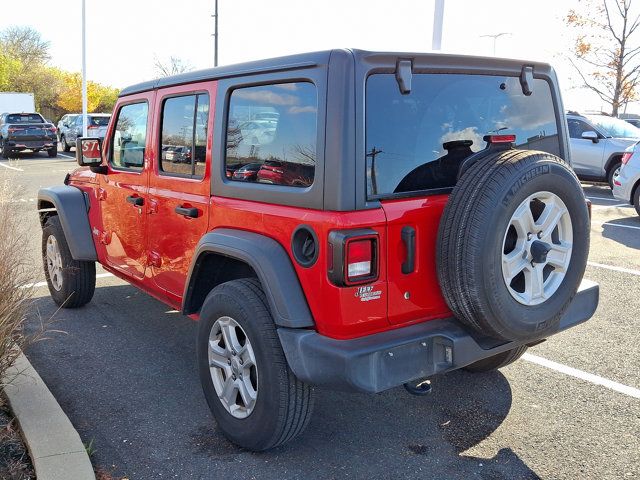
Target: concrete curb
{"points": [[55, 447]]}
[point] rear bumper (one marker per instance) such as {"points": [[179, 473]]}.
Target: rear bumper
{"points": [[385, 360], [31, 144]]}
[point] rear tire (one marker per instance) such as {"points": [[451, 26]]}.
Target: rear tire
{"points": [[496, 213], [71, 282], [497, 361], [611, 174], [636, 199], [279, 405], [64, 145], [53, 152]]}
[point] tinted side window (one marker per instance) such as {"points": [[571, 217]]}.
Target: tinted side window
{"points": [[130, 137], [271, 134], [578, 127], [184, 135]]}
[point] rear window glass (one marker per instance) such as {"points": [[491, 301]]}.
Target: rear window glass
{"points": [[25, 118], [272, 134], [416, 142], [99, 121]]}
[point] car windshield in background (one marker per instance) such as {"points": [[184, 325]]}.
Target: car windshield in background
{"points": [[99, 121], [615, 127], [416, 142], [25, 118]]}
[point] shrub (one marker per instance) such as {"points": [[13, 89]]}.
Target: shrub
{"points": [[15, 272]]}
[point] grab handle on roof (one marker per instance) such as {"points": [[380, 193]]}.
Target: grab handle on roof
{"points": [[403, 76], [526, 80]]}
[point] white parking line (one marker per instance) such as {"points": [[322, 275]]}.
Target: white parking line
{"points": [[10, 167], [604, 207], [603, 198], [42, 284], [615, 269], [66, 156], [609, 224], [589, 377]]}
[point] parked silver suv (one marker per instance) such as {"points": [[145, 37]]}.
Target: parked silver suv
{"points": [[597, 144], [626, 185], [70, 128]]}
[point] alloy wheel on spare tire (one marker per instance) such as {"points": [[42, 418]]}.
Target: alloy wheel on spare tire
{"points": [[257, 401], [513, 244]]}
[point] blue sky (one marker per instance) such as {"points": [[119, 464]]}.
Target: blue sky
{"points": [[124, 37]]}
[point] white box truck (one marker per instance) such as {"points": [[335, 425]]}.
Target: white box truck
{"points": [[12, 102]]}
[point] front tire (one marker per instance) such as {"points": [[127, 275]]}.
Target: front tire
{"points": [[636, 199], [254, 396], [5, 150], [71, 282], [612, 173], [497, 361]]}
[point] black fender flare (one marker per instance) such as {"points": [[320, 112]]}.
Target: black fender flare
{"points": [[271, 264], [72, 208], [610, 161]]}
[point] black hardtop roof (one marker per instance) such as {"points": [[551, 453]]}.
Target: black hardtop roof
{"points": [[307, 60]]}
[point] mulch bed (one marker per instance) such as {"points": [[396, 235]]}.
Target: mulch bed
{"points": [[15, 463]]}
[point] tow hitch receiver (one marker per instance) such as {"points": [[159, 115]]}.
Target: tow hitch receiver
{"points": [[419, 387]]}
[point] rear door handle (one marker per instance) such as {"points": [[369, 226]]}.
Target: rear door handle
{"points": [[191, 212], [408, 235], [135, 200]]}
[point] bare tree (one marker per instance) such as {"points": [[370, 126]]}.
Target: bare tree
{"points": [[172, 66], [25, 44], [604, 53]]}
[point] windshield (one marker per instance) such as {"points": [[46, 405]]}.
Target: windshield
{"points": [[99, 121], [614, 127], [417, 141], [25, 118]]}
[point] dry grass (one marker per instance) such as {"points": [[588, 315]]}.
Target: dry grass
{"points": [[16, 270]]}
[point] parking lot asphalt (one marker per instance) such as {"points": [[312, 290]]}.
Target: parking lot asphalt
{"points": [[123, 370]]}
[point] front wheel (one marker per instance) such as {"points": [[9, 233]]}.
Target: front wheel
{"points": [[497, 361], [614, 171], [5, 151], [63, 144], [254, 396], [71, 282]]}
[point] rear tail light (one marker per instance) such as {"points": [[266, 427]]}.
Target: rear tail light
{"points": [[359, 259], [91, 127], [353, 257], [626, 156]]}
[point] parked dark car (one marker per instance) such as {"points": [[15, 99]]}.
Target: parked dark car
{"points": [[71, 128], [247, 173], [286, 173], [26, 131]]}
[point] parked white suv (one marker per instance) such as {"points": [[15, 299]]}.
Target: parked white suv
{"points": [[597, 144], [626, 185]]}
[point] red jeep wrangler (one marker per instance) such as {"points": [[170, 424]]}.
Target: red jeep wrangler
{"points": [[434, 223]]}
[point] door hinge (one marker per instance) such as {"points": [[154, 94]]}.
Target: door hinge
{"points": [[154, 259]]}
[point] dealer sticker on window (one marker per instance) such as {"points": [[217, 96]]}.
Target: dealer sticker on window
{"points": [[367, 293]]}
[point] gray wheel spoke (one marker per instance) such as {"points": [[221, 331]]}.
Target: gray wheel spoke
{"points": [[247, 393], [229, 392], [513, 264], [230, 338], [549, 219], [559, 256], [522, 220], [534, 282], [218, 356]]}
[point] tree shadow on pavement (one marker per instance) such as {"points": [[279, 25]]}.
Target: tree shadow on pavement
{"points": [[125, 374]]}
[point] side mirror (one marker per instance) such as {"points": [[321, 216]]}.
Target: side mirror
{"points": [[590, 135], [89, 154]]}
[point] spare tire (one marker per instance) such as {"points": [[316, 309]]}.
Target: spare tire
{"points": [[513, 243]]}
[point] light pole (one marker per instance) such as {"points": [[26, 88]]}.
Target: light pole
{"points": [[215, 35], [84, 73], [438, 17], [495, 38]]}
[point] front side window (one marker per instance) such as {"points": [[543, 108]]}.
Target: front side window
{"points": [[272, 134], [417, 141], [184, 135], [130, 137], [578, 127]]}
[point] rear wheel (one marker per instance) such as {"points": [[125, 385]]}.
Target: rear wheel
{"points": [[53, 152], [71, 282], [613, 172], [497, 361], [63, 144], [254, 396], [513, 244], [636, 199]]}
